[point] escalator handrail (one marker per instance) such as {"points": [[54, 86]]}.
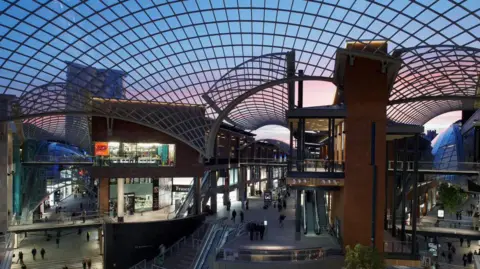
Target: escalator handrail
{"points": [[317, 218], [206, 250], [210, 234], [305, 213], [190, 194]]}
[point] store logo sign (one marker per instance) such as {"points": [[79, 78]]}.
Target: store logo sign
{"points": [[101, 149], [181, 188]]}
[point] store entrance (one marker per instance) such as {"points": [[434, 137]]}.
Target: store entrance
{"points": [[129, 203]]}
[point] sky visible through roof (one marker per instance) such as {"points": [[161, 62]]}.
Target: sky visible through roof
{"points": [[177, 51]]}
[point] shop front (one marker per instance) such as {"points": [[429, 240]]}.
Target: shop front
{"points": [[142, 194], [111, 153]]}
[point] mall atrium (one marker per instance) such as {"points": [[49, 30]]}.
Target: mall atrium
{"points": [[231, 134]]}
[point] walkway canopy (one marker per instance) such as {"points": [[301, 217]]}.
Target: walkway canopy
{"points": [[229, 57]]}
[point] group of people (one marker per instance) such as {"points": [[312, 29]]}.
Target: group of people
{"points": [[34, 255], [256, 230]]}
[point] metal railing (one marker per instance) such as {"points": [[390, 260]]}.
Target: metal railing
{"points": [[175, 247], [397, 246], [61, 159], [317, 217], [442, 166], [318, 165], [290, 255], [206, 245], [262, 160], [140, 265], [6, 246], [131, 162], [62, 220]]}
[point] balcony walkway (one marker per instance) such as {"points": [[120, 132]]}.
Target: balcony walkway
{"points": [[472, 169]]}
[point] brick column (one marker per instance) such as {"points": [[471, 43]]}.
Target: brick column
{"points": [[103, 195], [366, 97]]}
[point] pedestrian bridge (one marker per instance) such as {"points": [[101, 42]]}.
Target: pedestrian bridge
{"points": [[48, 226], [432, 231], [465, 168]]}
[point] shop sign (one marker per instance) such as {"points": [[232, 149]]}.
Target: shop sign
{"points": [[101, 149], [181, 188]]}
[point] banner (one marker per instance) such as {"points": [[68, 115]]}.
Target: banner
{"points": [[101, 149], [156, 189]]}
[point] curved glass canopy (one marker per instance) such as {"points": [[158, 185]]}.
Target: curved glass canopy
{"points": [[210, 54]]}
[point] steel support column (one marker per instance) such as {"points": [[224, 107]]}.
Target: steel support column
{"points": [[404, 186], [385, 213], [298, 215], [393, 208], [300, 89], [415, 195], [291, 84]]}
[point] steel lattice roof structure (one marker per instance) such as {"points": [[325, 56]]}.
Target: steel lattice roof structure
{"points": [[225, 57]]}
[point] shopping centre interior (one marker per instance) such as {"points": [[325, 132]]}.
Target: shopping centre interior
{"points": [[131, 133]]}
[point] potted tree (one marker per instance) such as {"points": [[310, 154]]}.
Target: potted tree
{"points": [[363, 257]]}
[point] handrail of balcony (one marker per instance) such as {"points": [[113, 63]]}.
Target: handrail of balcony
{"points": [[318, 165], [397, 246], [288, 255], [131, 161], [439, 166], [54, 158]]}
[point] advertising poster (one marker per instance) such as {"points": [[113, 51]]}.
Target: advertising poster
{"points": [[101, 149], [156, 189]]}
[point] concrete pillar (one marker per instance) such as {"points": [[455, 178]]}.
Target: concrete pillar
{"points": [[197, 195], [365, 84], [3, 176], [120, 199], [213, 193], [269, 178], [242, 184]]}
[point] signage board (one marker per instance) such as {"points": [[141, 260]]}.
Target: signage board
{"points": [[181, 188], [101, 149]]}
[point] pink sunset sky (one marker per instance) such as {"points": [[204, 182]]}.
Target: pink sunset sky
{"points": [[321, 93]]}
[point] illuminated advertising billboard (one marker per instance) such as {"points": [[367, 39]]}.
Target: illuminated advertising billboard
{"points": [[101, 149]]}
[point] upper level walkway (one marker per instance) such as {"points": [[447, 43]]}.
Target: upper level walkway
{"points": [[472, 169], [65, 160]]}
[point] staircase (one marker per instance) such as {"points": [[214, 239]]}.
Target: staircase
{"points": [[58, 262], [184, 258]]}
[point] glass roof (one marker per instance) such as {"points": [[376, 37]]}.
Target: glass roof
{"points": [[208, 53]]}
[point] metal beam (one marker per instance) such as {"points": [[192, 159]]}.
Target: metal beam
{"points": [[434, 98], [216, 124]]}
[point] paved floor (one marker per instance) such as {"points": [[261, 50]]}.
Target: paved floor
{"points": [[73, 249], [275, 236]]}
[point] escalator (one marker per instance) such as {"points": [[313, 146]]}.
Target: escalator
{"points": [[321, 210], [309, 215], [187, 204]]}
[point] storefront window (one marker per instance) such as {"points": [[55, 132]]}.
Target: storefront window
{"points": [[143, 194], [141, 153], [233, 172]]}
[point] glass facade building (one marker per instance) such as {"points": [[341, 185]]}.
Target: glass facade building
{"points": [[447, 149]]}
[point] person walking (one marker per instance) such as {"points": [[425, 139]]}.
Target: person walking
{"points": [[84, 263], [464, 260], [58, 242], [262, 231], [42, 253], [470, 257], [246, 204], [34, 253], [468, 242], [20, 257], [88, 236], [281, 218], [234, 215], [461, 241], [242, 216], [89, 263]]}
